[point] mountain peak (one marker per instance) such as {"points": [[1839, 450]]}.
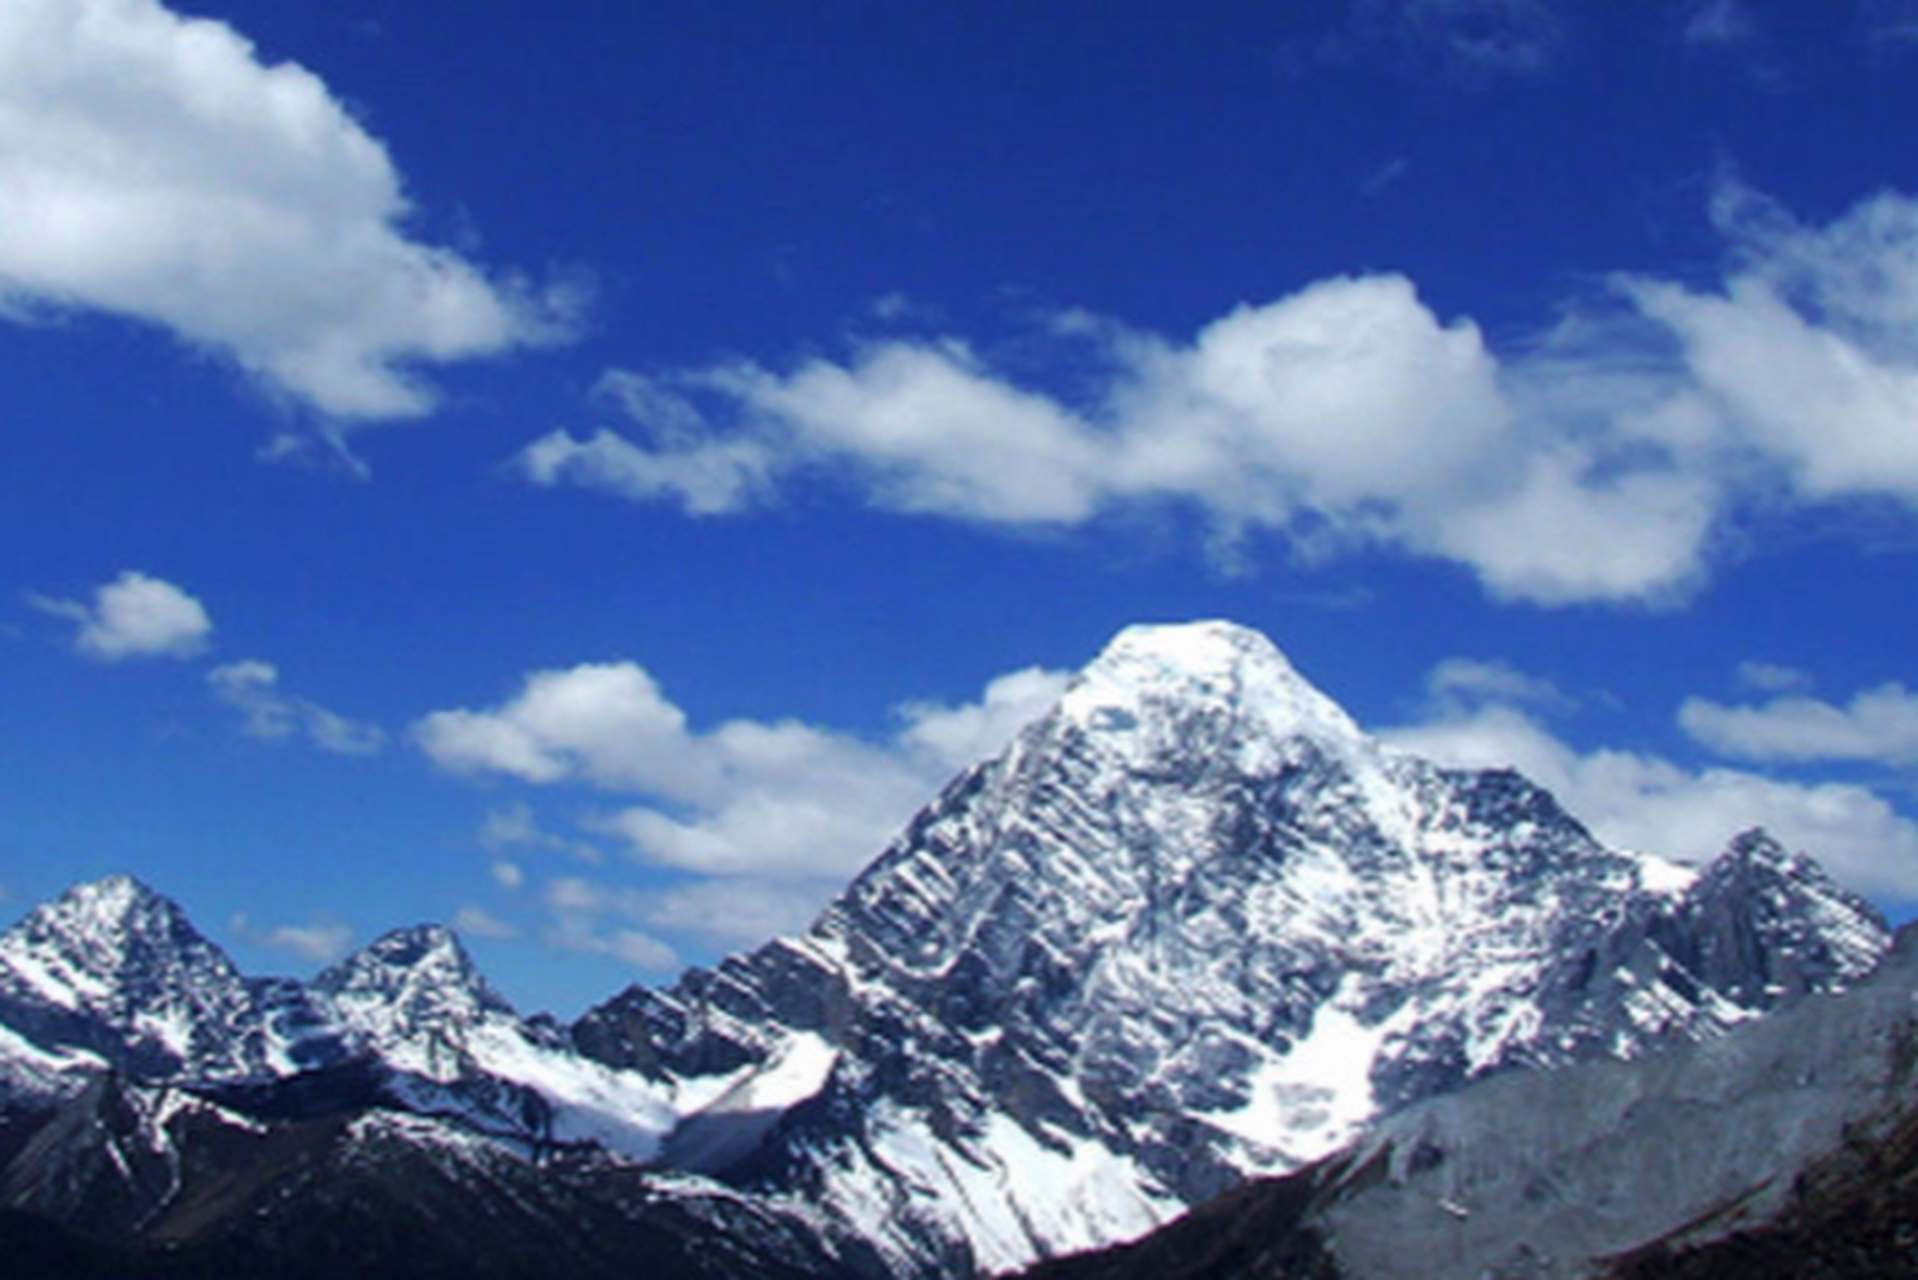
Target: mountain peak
{"points": [[113, 967], [1759, 846], [115, 901], [102, 926], [1152, 669], [411, 976]]}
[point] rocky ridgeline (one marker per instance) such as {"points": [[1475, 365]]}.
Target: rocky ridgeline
{"points": [[1191, 926]]}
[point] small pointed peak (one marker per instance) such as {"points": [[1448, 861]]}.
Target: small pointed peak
{"points": [[422, 962], [119, 892], [115, 904], [419, 944], [1757, 850], [421, 948]]}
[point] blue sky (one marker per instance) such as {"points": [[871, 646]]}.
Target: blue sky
{"points": [[588, 481]]}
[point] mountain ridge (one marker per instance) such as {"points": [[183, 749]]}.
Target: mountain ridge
{"points": [[1192, 925]]}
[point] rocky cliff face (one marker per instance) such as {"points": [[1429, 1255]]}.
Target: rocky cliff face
{"points": [[1192, 925]]}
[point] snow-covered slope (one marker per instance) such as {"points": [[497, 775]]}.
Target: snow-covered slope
{"points": [[1195, 924]]}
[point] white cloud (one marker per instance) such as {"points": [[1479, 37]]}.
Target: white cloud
{"points": [[322, 941], [1878, 725], [158, 170], [477, 922], [1641, 801], [735, 913], [951, 738], [606, 722], [135, 616], [767, 819], [514, 826], [508, 875], [252, 688], [1457, 683], [1810, 349], [746, 798], [585, 918], [1604, 461]]}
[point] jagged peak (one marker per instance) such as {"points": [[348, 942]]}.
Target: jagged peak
{"points": [[1756, 853], [1205, 664], [1759, 845], [112, 898], [413, 967], [108, 920]]}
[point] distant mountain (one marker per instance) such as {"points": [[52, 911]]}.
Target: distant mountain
{"points": [[1786, 1148], [1193, 925]]}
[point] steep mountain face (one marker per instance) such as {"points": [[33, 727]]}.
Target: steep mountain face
{"points": [[1192, 925], [1787, 1147], [113, 970]]}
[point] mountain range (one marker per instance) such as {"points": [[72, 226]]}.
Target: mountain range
{"points": [[1192, 927]]}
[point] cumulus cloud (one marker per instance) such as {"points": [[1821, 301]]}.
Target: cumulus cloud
{"points": [[1878, 726], [744, 797], [778, 812], [252, 688], [1605, 460], [135, 616], [1637, 800], [157, 169], [321, 941]]}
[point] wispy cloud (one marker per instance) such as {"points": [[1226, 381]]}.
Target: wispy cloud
{"points": [[1473, 41], [475, 921], [1877, 726], [319, 941], [252, 688]]}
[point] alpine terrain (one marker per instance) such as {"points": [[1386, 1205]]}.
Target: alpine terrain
{"points": [[1787, 1149], [1193, 925]]}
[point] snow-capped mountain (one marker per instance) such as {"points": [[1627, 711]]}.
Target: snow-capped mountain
{"points": [[116, 971], [1194, 924], [454, 1046], [1191, 925]]}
